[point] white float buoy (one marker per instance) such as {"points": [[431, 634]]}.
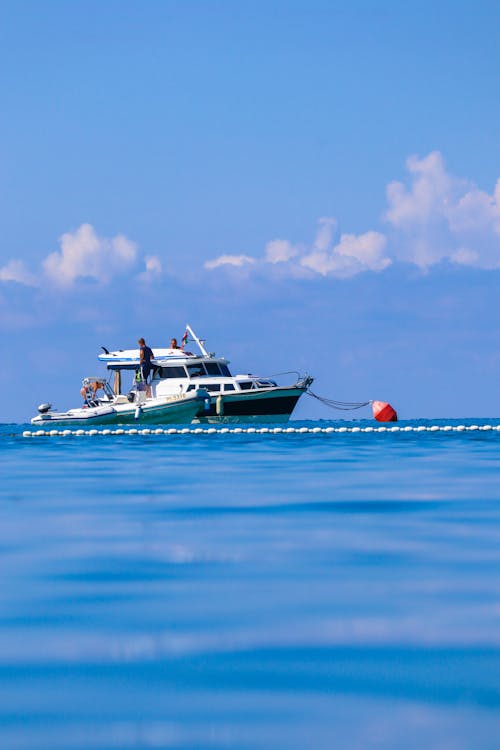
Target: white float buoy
{"points": [[262, 430]]}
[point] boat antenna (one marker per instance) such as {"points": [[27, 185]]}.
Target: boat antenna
{"points": [[200, 342]]}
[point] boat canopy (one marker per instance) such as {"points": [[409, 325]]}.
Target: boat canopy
{"points": [[161, 362], [128, 359]]}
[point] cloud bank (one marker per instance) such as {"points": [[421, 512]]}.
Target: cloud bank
{"points": [[84, 254], [437, 216], [352, 254], [432, 216], [326, 255], [15, 270]]}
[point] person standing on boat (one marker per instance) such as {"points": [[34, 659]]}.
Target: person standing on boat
{"points": [[145, 357], [174, 344]]}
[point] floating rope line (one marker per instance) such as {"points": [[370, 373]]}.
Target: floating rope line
{"points": [[339, 405], [260, 430]]}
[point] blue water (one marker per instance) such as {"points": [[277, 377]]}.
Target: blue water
{"points": [[250, 591]]}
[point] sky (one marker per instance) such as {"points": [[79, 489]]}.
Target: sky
{"points": [[312, 186]]}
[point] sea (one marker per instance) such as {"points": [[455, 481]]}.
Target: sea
{"points": [[251, 590]]}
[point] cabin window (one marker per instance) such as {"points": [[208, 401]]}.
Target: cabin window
{"points": [[229, 387], [190, 387], [225, 371], [196, 371], [212, 368], [246, 385], [212, 386], [171, 372]]}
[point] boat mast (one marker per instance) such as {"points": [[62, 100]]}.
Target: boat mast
{"points": [[198, 341]]}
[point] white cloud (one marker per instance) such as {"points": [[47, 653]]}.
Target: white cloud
{"points": [[15, 270], [153, 264], [438, 216], [280, 251], [430, 190], [477, 210], [153, 268], [84, 254], [465, 257], [352, 255], [229, 260]]}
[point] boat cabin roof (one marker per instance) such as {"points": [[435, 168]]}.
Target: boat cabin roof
{"points": [[125, 360]]}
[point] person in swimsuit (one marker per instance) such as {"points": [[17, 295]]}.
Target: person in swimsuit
{"points": [[89, 391]]}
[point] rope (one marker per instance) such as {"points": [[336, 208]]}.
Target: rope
{"points": [[340, 405]]}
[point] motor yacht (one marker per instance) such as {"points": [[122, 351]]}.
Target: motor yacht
{"points": [[230, 398]]}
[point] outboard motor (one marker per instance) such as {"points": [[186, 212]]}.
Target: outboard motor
{"points": [[44, 408]]}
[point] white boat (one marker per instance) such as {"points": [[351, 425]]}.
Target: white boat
{"points": [[103, 406], [232, 398]]}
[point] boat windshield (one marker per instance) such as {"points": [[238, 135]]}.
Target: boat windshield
{"points": [[171, 372], [196, 371]]}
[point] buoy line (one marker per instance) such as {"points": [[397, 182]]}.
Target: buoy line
{"points": [[259, 430]]}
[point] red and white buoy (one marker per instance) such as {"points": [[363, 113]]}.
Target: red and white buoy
{"points": [[383, 412]]}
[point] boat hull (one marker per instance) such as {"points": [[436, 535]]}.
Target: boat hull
{"points": [[182, 411], [179, 411], [77, 417], [272, 405]]}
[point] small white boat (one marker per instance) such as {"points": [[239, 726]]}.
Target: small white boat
{"points": [[232, 398], [103, 406], [81, 415]]}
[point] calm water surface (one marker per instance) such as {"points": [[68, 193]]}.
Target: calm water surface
{"points": [[250, 591]]}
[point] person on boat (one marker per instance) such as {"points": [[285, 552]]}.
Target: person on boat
{"points": [[145, 357], [174, 344], [88, 392]]}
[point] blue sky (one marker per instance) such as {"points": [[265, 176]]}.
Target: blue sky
{"points": [[311, 185]]}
